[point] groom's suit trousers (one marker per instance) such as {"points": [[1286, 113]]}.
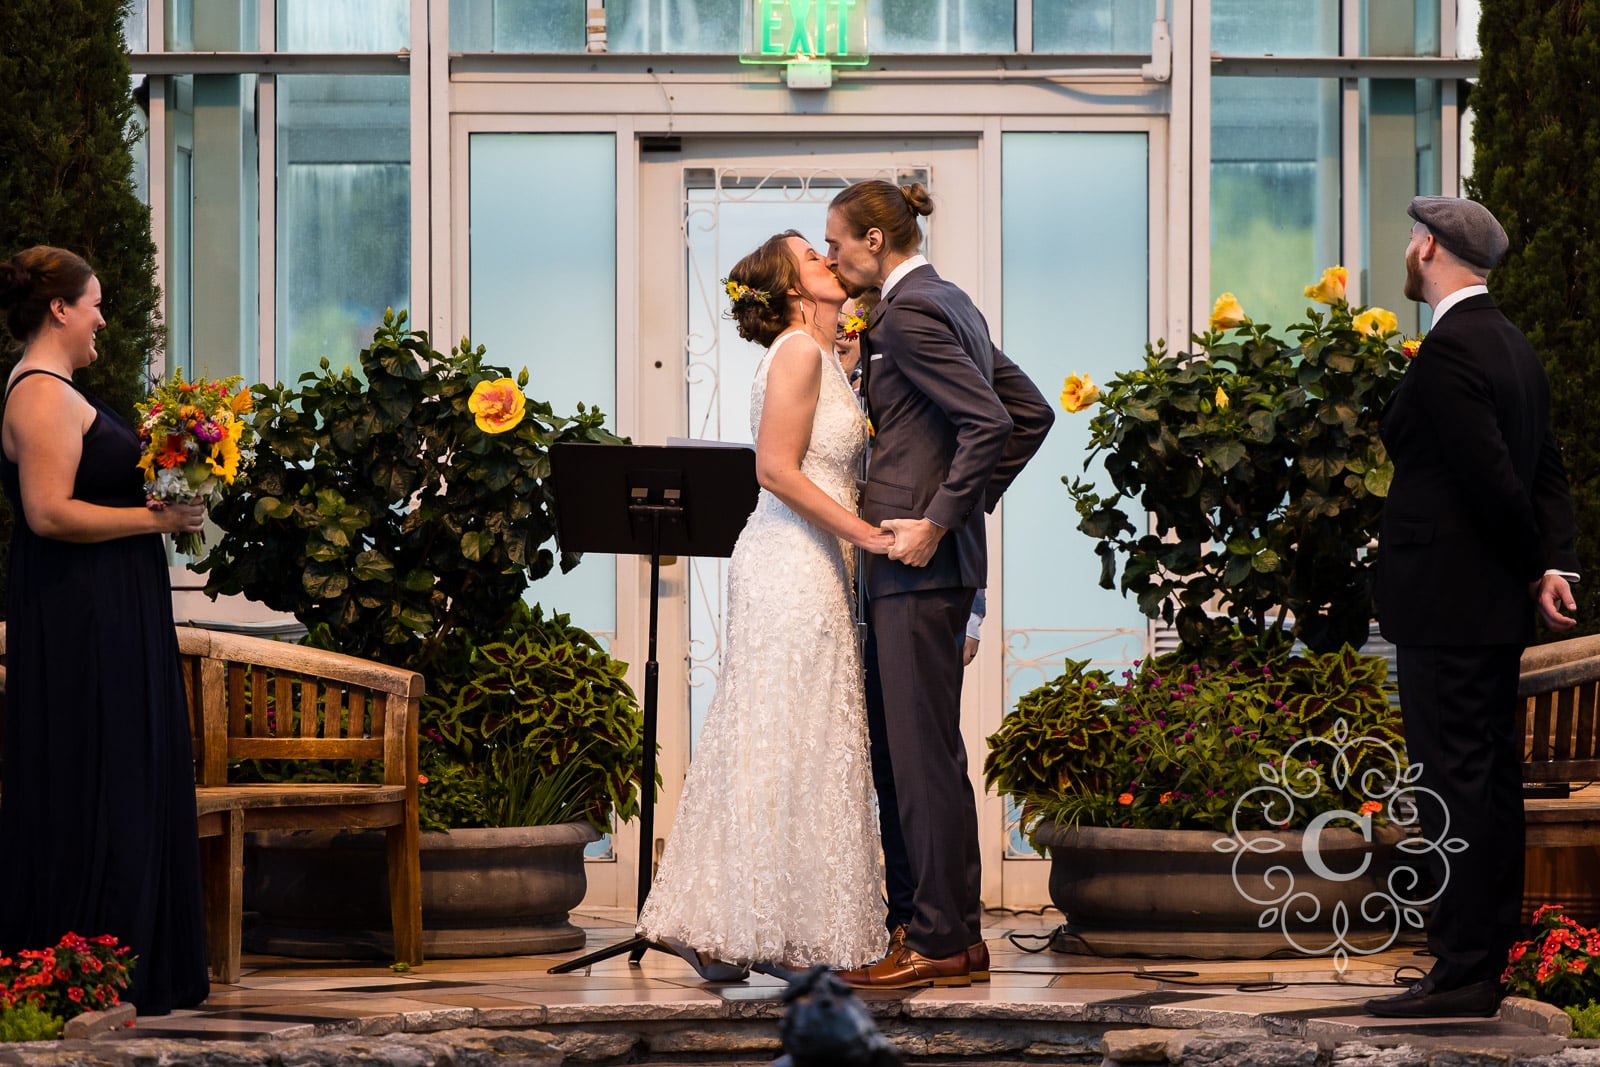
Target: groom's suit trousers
{"points": [[926, 810]]}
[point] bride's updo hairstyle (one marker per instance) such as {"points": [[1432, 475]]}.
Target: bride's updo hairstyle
{"points": [[894, 209], [34, 277], [759, 287]]}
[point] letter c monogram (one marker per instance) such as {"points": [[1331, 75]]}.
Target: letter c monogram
{"points": [[1312, 846]]}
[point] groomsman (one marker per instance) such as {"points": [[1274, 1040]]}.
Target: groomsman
{"points": [[1476, 538]]}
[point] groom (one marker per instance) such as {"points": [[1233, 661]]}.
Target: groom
{"points": [[954, 421]]}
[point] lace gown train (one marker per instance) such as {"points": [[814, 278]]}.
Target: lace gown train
{"points": [[774, 854]]}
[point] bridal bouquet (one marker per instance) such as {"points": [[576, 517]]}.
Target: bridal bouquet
{"points": [[196, 440]]}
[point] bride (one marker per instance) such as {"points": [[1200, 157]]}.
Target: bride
{"points": [[773, 860]]}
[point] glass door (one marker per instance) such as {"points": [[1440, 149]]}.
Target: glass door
{"points": [[704, 204]]}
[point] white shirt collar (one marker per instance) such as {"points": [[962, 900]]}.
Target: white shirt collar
{"points": [[1455, 298], [906, 267]]}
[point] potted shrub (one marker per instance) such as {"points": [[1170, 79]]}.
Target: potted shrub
{"points": [[400, 514], [1267, 739]]}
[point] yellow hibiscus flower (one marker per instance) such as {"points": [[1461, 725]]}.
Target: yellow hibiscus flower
{"points": [[1221, 399], [1227, 313], [1330, 290], [498, 405], [1376, 322], [1078, 392]]}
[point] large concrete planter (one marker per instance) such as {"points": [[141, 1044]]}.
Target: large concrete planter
{"points": [[1129, 892], [485, 892]]}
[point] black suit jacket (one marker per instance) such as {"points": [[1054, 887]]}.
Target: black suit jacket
{"points": [[955, 420], [1479, 505]]}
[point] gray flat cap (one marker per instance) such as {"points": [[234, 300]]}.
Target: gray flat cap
{"points": [[1464, 227]]}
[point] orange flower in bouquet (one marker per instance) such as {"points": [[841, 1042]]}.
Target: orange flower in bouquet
{"points": [[197, 438]]}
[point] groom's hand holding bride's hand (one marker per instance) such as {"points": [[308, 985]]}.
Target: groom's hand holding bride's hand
{"points": [[914, 540], [880, 542]]}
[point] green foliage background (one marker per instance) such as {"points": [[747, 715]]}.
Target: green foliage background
{"points": [[1537, 167], [66, 179]]}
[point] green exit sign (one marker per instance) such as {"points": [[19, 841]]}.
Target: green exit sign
{"points": [[780, 31]]}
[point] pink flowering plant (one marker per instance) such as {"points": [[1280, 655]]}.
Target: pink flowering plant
{"points": [[1558, 964], [79, 974], [1174, 742]]}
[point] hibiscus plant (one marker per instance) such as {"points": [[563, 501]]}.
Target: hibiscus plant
{"points": [[1256, 458], [401, 511], [396, 504], [1247, 478]]}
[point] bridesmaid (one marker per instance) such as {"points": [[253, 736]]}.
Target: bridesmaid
{"points": [[97, 817]]}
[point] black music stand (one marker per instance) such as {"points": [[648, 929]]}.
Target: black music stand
{"points": [[649, 500]]}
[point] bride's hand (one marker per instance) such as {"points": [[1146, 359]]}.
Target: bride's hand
{"points": [[879, 542]]}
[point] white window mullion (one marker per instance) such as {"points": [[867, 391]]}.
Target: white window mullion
{"points": [[1352, 195], [421, 165]]}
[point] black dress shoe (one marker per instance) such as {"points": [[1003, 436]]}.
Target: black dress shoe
{"points": [[1479, 1000]]}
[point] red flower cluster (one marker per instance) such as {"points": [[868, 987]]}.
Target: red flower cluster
{"points": [[79, 974], [1558, 966]]}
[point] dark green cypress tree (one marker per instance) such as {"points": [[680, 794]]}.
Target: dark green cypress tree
{"points": [[1537, 167], [66, 179]]}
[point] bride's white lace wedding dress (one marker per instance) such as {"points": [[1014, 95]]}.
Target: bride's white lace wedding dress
{"points": [[774, 854]]}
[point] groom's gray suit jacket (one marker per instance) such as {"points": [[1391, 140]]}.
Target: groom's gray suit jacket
{"points": [[956, 421]]}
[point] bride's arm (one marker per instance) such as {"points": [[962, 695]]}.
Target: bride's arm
{"points": [[794, 381]]}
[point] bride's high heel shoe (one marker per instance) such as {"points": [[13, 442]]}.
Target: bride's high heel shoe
{"points": [[711, 970]]}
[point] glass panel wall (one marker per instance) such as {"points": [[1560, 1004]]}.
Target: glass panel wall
{"points": [[543, 264], [345, 26], [705, 26], [1065, 191], [1061, 192], [1400, 131], [1274, 191], [213, 238], [942, 26], [212, 25], [1093, 25], [1389, 28], [1271, 27], [344, 224], [518, 25]]}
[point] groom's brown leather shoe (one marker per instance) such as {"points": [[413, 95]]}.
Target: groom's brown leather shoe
{"points": [[905, 968], [978, 961]]}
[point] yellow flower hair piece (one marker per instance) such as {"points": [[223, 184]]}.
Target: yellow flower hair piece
{"points": [[737, 292]]}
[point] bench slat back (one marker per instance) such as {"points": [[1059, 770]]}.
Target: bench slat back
{"points": [[267, 700], [1560, 691]]}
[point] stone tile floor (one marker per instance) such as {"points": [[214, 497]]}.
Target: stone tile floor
{"points": [[288, 999]]}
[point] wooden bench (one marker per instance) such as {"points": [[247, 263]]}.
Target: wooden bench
{"points": [[1560, 691], [251, 698]]}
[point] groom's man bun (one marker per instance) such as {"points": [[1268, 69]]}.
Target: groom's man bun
{"points": [[884, 206]]}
